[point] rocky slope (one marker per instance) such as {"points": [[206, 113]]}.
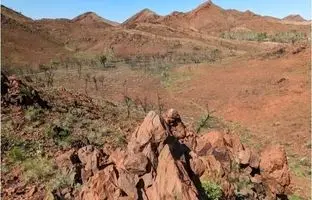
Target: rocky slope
{"points": [[163, 159], [92, 18]]}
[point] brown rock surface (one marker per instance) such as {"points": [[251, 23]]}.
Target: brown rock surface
{"points": [[274, 168], [177, 185], [157, 164]]}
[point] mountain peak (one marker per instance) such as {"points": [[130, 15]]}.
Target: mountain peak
{"points": [[142, 16], [92, 18], [297, 18], [10, 13]]}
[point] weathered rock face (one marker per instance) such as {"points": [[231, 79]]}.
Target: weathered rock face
{"points": [[164, 160], [102, 185], [178, 185], [274, 169]]}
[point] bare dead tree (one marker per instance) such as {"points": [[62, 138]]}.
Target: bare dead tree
{"points": [[87, 79], [79, 69], [127, 100], [205, 119], [101, 79], [95, 83], [160, 106], [143, 103]]}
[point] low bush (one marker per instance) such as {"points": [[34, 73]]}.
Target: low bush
{"points": [[245, 35], [16, 154], [288, 37], [37, 169], [213, 191]]}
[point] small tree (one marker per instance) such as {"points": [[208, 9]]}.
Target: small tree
{"points": [[103, 60], [159, 104], [87, 79], [48, 73], [101, 79], [127, 100], [79, 69], [203, 122], [143, 103], [95, 83]]}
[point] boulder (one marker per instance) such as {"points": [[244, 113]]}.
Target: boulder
{"points": [[136, 163], [175, 124], [127, 183], [274, 169], [103, 185], [152, 130], [172, 180], [244, 156], [215, 139], [90, 159]]}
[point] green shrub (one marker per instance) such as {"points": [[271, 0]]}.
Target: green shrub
{"points": [[95, 138], [244, 35], [16, 154], [37, 169], [288, 37], [212, 190], [208, 122], [60, 135], [62, 180], [294, 197], [33, 114]]}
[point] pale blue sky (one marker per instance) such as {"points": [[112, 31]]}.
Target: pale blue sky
{"points": [[120, 10]]}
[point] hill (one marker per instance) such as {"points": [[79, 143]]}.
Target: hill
{"points": [[296, 18], [146, 33], [92, 18], [145, 15]]}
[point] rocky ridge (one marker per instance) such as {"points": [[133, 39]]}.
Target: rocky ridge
{"points": [[166, 160]]}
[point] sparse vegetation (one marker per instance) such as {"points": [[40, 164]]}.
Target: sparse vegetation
{"points": [[205, 121], [33, 114], [59, 134], [282, 37], [294, 197], [16, 154], [288, 37], [37, 169], [212, 190], [245, 35], [61, 180]]}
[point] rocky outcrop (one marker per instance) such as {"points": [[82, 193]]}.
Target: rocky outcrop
{"points": [[165, 160], [15, 92], [274, 169]]}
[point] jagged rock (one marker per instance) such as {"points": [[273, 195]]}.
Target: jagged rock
{"points": [[274, 169], [164, 160], [197, 166], [152, 130], [90, 159], [103, 185], [175, 124], [215, 139], [148, 179], [127, 183], [244, 156], [136, 163], [67, 159], [254, 160], [14, 91], [70, 165], [177, 185]]}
